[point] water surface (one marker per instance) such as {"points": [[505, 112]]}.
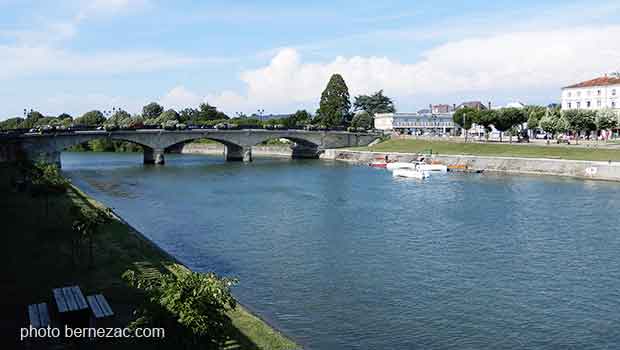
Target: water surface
{"points": [[345, 257]]}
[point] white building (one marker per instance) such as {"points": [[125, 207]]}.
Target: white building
{"points": [[599, 93], [415, 123]]}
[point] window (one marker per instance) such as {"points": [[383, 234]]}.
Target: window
{"points": [[613, 92], [578, 93], [578, 105], [587, 104], [569, 94], [570, 105], [598, 92], [613, 104], [588, 92], [598, 103]]}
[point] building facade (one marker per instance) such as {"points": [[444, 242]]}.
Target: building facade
{"points": [[416, 123], [595, 94]]}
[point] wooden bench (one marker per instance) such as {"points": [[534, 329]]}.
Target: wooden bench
{"points": [[39, 315], [71, 304], [100, 308]]}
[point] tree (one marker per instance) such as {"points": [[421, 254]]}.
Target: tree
{"points": [[508, 118], [11, 123], [85, 227], [335, 105], [31, 120], [47, 180], [486, 118], [208, 112], [606, 119], [119, 118], [65, 116], [152, 110], [92, 118], [534, 115], [549, 122], [362, 119], [299, 118], [465, 117], [45, 121], [373, 104], [578, 121], [189, 115], [191, 306], [169, 115]]}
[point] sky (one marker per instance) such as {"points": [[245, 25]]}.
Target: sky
{"points": [[74, 56]]}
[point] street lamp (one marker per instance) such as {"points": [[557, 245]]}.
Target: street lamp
{"points": [[464, 120]]}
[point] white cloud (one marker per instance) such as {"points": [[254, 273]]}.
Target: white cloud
{"points": [[32, 61], [518, 62], [180, 97]]}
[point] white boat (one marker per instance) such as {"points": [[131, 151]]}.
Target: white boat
{"points": [[434, 167], [400, 165], [422, 166], [410, 172]]}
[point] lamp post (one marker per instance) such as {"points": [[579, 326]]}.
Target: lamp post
{"points": [[464, 120]]}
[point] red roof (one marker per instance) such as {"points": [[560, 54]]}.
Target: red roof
{"points": [[602, 81]]}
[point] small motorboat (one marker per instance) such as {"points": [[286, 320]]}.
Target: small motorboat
{"points": [[419, 165], [378, 164], [411, 172], [433, 167], [400, 165]]}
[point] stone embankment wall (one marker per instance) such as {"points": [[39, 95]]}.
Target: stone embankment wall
{"points": [[218, 149], [540, 166]]}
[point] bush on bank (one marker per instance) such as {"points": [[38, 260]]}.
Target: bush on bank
{"points": [[191, 304]]}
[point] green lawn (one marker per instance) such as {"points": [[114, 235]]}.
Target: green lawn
{"points": [[495, 149], [36, 253]]}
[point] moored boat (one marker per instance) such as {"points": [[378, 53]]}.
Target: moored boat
{"points": [[400, 165], [433, 167], [422, 166], [378, 164], [411, 173]]}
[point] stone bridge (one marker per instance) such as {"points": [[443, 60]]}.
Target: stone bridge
{"points": [[238, 143]]}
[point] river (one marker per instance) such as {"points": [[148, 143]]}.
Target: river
{"points": [[340, 256]]}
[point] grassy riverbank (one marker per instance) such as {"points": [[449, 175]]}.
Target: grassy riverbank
{"points": [[37, 257], [495, 149]]}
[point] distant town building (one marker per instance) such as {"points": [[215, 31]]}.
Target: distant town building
{"points": [[438, 109], [416, 123], [595, 94], [474, 104]]}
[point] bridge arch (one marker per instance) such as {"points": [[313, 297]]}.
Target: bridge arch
{"points": [[49, 147], [300, 147], [232, 150]]}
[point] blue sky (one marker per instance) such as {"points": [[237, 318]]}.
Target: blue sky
{"points": [[73, 56]]}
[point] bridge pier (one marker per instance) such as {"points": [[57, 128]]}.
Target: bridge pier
{"points": [[154, 156], [234, 153], [304, 152]]}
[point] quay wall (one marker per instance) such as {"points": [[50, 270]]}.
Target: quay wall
{"points": [[597, 170]]}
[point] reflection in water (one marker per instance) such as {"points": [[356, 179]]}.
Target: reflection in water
{"points": [[342, 256]]}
